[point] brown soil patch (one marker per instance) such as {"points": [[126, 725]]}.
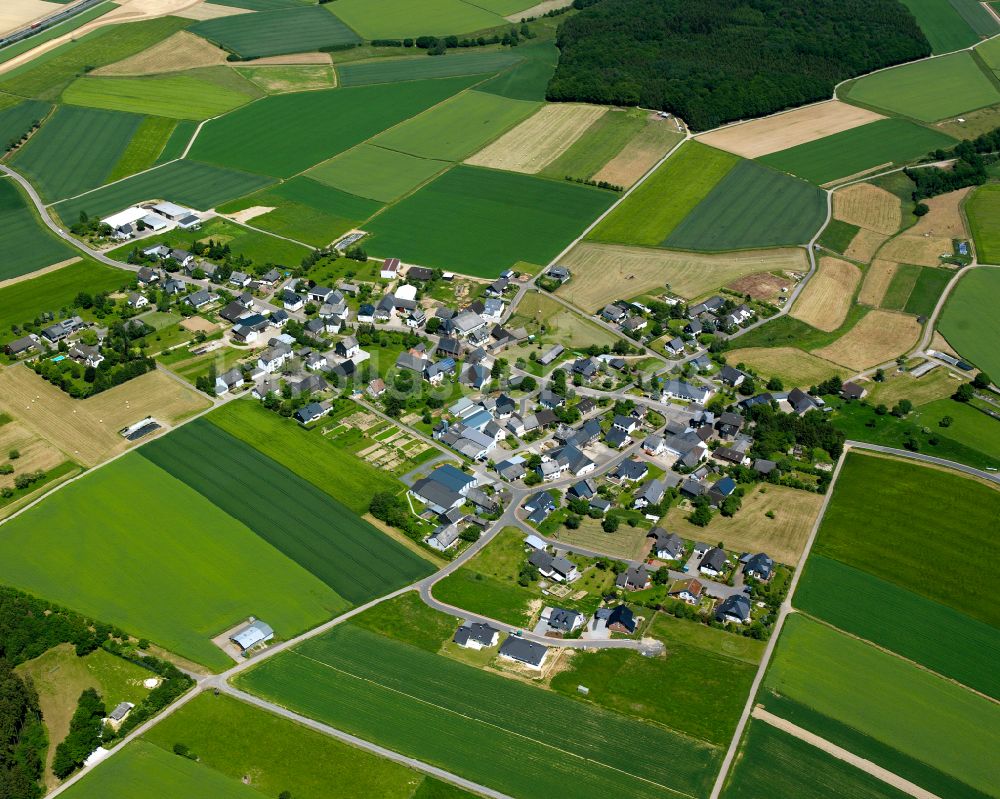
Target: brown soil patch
{"points": [[793, 366], [878, 338], [181, 51], [920, 250], [604, 271], [781, 131], [945, 216], [761, 286], [864, 245], [868, 207], [211, 11], [197, 323], [247, 214], [540, 139], [826, 299], [291, 59], [641, 154], [878, 276]]}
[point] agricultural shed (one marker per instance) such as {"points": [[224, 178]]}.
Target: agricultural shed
{"points": [[254, 633]]}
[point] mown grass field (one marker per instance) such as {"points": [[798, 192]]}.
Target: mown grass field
{"points": [[285, 134], [654, 210], [155, 557], [887, 141], [23, 301], [266, 33], [480, 221], [75, 150], [893, 701], [752, 206], [927, 90], [390, 19], [145, 148], [922, 516], [458, 127], [969, 426], [393, 70], [234, 739], [773, 763], [375, 172], [927, 632], [306, 524], [200, 186], [967, 322], [598, 144], [355, 679], [26, 244]]}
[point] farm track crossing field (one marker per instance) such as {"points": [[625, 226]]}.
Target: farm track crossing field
{"points": [[375, 172], [926, 632], [393, 70], [877, 338], [25, 243], [922, 516], [983, 209], [894, 701], [927, 90], [306, 524], [355, 679], [267, 33], [654, 210], [942, 25], [480, 221], [178, 141], [457, 127], [201, 186], [752, 206], [774, 763], [285, 134], [869, 207], [887, 141], [395, 19], [191, 587], [76, 150], [968, 324], [146, 146], [828, 295]]}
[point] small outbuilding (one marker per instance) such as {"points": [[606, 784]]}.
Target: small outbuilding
{"points": [[256, 632]]}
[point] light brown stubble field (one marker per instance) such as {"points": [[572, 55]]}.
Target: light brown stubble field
{"points": [[868, 207], [877, 279], [826, 299], [878, 338]]}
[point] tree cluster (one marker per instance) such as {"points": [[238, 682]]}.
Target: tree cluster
{"points": [[714, 61], [777, 432], [84, 735], [22, 736], [972, 157]]}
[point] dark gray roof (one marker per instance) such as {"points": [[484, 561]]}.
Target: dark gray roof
{"points": [[524, 651], [475, 631]]}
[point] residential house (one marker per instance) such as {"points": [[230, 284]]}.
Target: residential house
{"points": [[730, 455], [616, 439], [730, 376], [734, 609], [619, 619], [435, 495], [366, 313], [551, 354], [613, 313], [448, 346], [693, 327], [234, 312], [390, 269], [228, 381], [274, 357], [86, 354], [714, 562], [667, 546], [475, 635], [630, 471], [497, 287], [759, 566], [682, 390], [291, 301], [23, 345], [525, 652], [729, 424], [199, 299], [674, 347], [650, 494], [689, 590], [555, 567], [312, 412], [634, 324], [146, 276], [560, 273], [635, 578], [802, 402], [240, 279], [764, 467], [721, 489], [550, 400], [626, 424], [444, 537], [347, 347], [585, 489], [560, 620], [654, 444], [852, 391]]}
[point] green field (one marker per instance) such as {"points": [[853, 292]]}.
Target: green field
{"points": [[969, 426], [481, 221], [156, 558], [983, 208], [458, 127], [70, 25], [306, 210], [76, 150], [26, 244], [598, 144], [752, 206], [528, 79], [284, 134], [887, 141], [178, 96], [891, 700], [394, 19], [145, 148], [927, 90], [927, 632], [838, 235], [46, 76], [187, 182], [653, 211], [178, 141], [899, 288], [262, 5], [235, 739], [927, 291], [942, 25], [320, 534], [393, 70], [772, 763], [377, 173], [350, 480], [25, 300], [539, 740], [967, 321], [923, 517], [16, 119], [265, 33]]}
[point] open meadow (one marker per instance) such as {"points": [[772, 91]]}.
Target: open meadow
{"points": [[967, 322], [266, 33], [375, 172], [561, 324], [146, 148], [828, 295], [604, 140], [394, 19], [278, 79], [27, 245], [982, 209], [641, 153], [952, 26], [793, 366], [391, 70]]}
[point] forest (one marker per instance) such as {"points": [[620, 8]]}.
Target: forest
{"points": [[715, 61]]}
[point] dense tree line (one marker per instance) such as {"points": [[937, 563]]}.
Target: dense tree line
{"points": [[776, 432], [84, 734], [972, 157], [22, 736], [714, 61]]}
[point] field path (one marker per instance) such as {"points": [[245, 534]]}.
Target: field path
{"points": [[842, 754]]}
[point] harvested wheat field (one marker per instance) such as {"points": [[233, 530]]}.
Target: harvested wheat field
{"points": [[826, 299], [879, 337], [762, 286], [864, 245], [602, 272], [204, 11], [877, 279], [36, 452], [781, 131], [176, 53], [793, 366], [868, 207], [540, 139], [944, 217], [537, 10], [291, 59], [920, 250], [87, 430], [640, 155]]}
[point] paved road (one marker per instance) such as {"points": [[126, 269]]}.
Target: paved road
{"points": [[993, 477]]}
